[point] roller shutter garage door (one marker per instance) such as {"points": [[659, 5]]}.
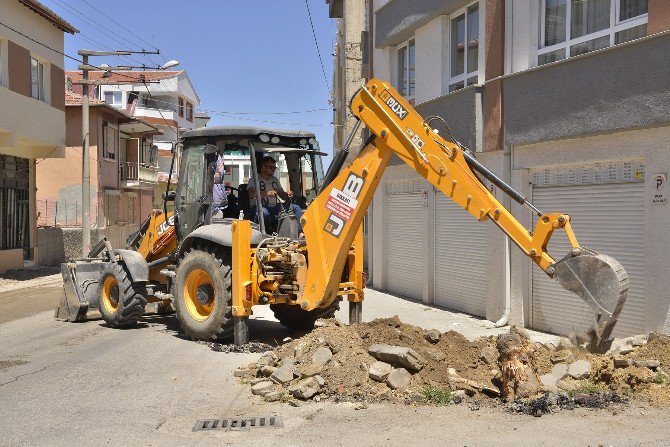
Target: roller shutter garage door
{"points": [[460, 259], [404, 244], [608, 218]]}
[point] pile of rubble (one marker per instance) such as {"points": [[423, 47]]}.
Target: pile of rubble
{"points": [[389, 361]]}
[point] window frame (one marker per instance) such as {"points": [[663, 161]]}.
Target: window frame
{"points": [[452, 80], [189, 111], [105, 150], [180, 106], [401, 88], [41, 86], [114, 104], [615, 27]]}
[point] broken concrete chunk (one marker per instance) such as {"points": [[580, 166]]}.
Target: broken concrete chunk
{"points": [[651, 364], [267, 359], [436, 354], [262, 388], [567, 384], [284, 373], [239, 372], [299, 350], [321, 356], [489, 355], [379, 371], [581, 369], [305, 388], [622, 362], [397, 355], [399, 379], [312, 370], [559, 370], [268, 370], [548, 380], [433, 336], [639, 340], [320, 380], [565, 343], [563, 356]]}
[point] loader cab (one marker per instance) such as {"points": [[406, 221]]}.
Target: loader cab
{"points": [[299, 169]]}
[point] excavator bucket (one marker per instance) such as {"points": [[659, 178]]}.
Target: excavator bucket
{"points": [[602, 282], [80, 285]]}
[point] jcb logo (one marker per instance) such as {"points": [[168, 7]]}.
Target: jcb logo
{"points": [[393, 104], [162, 228]]}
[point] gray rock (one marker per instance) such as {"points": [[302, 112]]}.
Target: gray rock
{"points": [[259, 380], [399, 379], [563, 356], [305, 388], [321, 356], [239, 372], [267, 359], [548, 380], [621, 362], [273, 396], [581, 369], [639, 340], [622, 350], [559, 370], [379, 371], [262, 388], [489, 355], [397, 356], [651, 364], [284, 374], [458, 396], [320, 380], [433, 336]]}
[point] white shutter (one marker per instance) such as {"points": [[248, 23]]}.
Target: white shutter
{"points": [[460, 259], [608, 218], [404, 245]]}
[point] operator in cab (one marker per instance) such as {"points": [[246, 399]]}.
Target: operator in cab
{"points": [[270, 189]]}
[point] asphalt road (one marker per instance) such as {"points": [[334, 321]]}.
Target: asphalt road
{"points": [[21, 303], [87, 384]]}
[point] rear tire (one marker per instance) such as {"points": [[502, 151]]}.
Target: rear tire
{"points": [[296, 318], [122, 302], [203, 294]]}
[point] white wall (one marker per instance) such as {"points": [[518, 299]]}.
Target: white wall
{"points": [[431, 60], [521, 37]]}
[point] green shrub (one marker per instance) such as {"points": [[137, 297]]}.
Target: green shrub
{"points": [[438, 396]]}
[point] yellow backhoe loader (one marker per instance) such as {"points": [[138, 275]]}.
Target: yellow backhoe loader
{"points": [[220, 269]]}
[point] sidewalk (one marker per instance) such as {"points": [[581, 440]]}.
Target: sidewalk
{"points": [[382, 305]]}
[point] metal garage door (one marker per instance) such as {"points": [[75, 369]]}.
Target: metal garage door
{"points": [[404, 244], [608, 218], [460, 258]]}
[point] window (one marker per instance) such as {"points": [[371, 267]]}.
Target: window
{"points": [[464, 48], [406, 84], [181, 107], [36, 79], [130, 209], [114, 99], [110, 141], [573, 27], [189, 111]]}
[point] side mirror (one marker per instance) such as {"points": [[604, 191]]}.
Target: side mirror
{"points": [[170, 196]]}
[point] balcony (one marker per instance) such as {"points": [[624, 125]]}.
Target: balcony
{"points": [[138, 175]]}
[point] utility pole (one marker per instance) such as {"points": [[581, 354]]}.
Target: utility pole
{"points": [[85, 165]]}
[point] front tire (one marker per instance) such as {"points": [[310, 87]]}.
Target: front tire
{"points": [[203, 292], [122, 302]]}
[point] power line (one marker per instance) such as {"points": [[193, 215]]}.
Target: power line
{"points": [[323, 70], [40, 43]]}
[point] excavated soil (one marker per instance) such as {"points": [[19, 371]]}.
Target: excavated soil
{"points": [[452, 363]]}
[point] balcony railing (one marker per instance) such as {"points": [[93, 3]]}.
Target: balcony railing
{"points": [[139, 174]]}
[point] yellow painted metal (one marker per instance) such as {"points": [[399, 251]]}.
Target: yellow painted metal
{"points": [[356, 267], [195, 279], [242, 260], [108, 301]]}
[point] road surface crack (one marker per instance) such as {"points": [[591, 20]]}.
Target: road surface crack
{"points": [[26, 374]]}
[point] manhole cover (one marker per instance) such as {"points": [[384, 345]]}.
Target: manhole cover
{"points": [[238, 423]]}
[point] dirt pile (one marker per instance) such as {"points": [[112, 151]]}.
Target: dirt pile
{"points": [[389, 361]]}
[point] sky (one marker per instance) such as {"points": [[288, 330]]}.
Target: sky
{"points": [[255, 58]]}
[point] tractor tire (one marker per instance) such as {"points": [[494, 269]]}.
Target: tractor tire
{"points": [[203, 294], [295, 318], [122, 302]]}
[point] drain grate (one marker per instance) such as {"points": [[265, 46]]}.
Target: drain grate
{"points": [[238, 424]]}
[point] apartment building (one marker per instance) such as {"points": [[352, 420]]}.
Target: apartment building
{"points": [[123, 172], [32, 118], [565, 99]]}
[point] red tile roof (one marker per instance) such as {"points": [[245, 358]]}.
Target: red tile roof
{"points": [[125, 76], [75, 99]]}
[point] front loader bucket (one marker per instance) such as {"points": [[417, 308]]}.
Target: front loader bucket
{"points": [[602, 282], [80, 285]]}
